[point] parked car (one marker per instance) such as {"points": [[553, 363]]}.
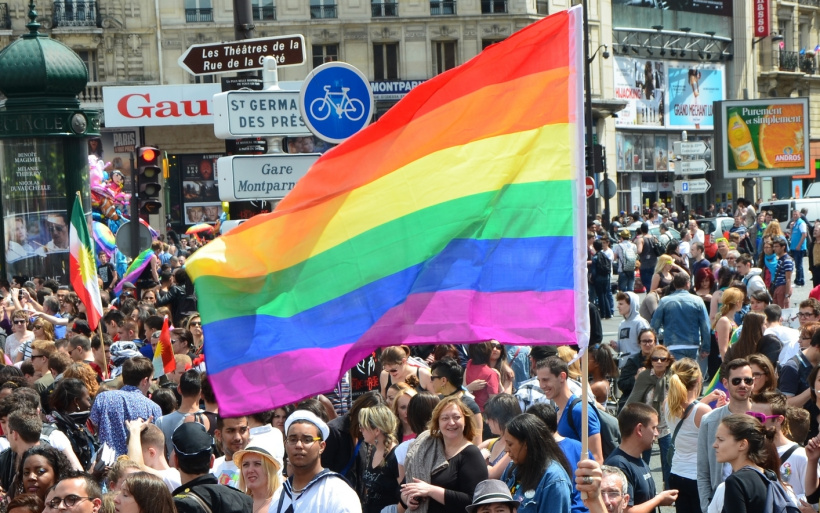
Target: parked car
{"points": [[716, 226]]}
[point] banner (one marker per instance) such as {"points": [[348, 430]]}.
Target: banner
{"points": [[642, 83], [761, 17], [764, 137], [719, 7], [693, 89]]}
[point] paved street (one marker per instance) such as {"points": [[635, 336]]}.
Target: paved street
{"points": [[610, 328]]}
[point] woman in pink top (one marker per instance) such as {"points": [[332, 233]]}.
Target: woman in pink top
{"points": [[482, 379]]}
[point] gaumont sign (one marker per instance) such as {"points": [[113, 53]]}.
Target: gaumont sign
{"points": [[164, 105]]}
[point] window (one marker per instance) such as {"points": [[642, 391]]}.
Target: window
{"points": [[198, 11], [205, 79], [442, 7], [386, 61], [493, 6], [89, 58], [542, 7], [384, 8], [263, 10], [325, 53], [487, 42], [75, 13], [322, 9], [444, 56]]}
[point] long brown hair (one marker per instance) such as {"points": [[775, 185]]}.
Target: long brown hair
{"points": [[750, 335], [150, 493]]}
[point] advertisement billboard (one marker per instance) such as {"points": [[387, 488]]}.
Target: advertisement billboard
{"points": [[667, 93], [764, 137], [719, 7], [693, 89], [653, 153]]}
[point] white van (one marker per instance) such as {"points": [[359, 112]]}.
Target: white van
{"points": [[782, 209]]}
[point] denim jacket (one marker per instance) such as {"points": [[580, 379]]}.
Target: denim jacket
{"points": [[553, 495], [684, 320]]}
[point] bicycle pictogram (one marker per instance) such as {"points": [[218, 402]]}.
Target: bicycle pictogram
{"points": [[338, 102]]}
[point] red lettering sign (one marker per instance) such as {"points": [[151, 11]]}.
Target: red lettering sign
{"points": [[761, 18], [135, 106]]}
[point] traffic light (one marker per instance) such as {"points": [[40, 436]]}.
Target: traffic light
{"points": [[149, 169]]}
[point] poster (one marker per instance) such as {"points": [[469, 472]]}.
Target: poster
{"points": [[200, 191], [661, 154], [642, 83], [764, 137], [693, 89], [34, 208], [115, 147]]}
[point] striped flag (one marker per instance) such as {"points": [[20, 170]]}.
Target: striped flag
{"points": [[457, 217], [164, 353], [83, 267]]}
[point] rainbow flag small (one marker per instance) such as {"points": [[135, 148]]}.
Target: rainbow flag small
{"points": [[164, 352], [83, 265], [457, 217], [135, 269]]}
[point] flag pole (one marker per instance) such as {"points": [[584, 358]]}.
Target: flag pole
{"points": [[585, 404], [102, 348]]}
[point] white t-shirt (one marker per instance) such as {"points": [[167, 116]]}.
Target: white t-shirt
{"points": [[789, 337], [793, 470], [171, 478], [226, 472], [401, 451]]}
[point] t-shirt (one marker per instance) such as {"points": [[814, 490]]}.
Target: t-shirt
{"points": [[565, 430], [486, 373], [793, 470], [641, 485], [794, 375], [380, 486], [226, 472], [785, 264], [745, 491], [798, 229], [168, 424], [171, 478]]}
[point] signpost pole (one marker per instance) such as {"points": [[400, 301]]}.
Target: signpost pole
{"points": [[270, 82], [135, 212]]}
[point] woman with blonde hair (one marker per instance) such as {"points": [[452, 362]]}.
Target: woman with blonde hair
{"points": [[259, 473], [773, 230], [43, 330], [380, 477], [663, 272], [399, 408], [724, 324], [683, 413], [396, 369]]}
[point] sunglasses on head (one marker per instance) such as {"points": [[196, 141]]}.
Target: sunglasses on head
{"points": [[748, 381], [762, 417]]}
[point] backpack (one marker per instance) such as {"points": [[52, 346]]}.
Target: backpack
{"points": [[602, 264], [655, 246], [777, 500], [610, 432], [630, 256]]}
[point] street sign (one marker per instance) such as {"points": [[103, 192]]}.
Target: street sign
{"points": [[336, 101], [258, 114], [590, 186], [244, 55], [607, 188], [691, 167], [693, 148], [261, 177], [696, 186]]}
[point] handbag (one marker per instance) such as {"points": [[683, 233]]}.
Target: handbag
{"points": [[670, 453]]}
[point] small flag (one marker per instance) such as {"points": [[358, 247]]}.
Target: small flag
{"points": [[817, 49], [83, 267], [802, 51], [164, 353]]}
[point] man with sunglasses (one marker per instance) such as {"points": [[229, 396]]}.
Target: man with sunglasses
{"points": [[77, 492], [739, 382], [57, 226]]}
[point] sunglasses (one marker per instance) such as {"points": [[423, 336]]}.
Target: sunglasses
{"points": [[196, 324], [747, 381], [761, 416], [19, 322], [659, 358]]}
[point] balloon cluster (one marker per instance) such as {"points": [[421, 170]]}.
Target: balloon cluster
{"points": [[109, 203]]}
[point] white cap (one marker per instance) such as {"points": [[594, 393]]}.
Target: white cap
{"points": [[307, 416]]}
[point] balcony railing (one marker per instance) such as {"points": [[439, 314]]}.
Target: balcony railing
{"points": [[5, 19], [266, 13], [322, 11], [442, 8], [71, 13], [542, 7], [202, 15], [808, 64], [384, 9], [812, 3], [493, 6], [787, 61]]}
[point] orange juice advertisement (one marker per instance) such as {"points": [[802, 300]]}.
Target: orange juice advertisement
{"points": [[765, 137]]}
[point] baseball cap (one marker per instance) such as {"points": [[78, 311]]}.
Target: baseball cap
{"points": [[128, 285], [191, 439]]}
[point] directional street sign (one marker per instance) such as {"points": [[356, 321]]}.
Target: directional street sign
{"points": [[692, 148], [691, 167], [244, 55], [336, 101], [261, 177], [265, 113], [696, 186]]}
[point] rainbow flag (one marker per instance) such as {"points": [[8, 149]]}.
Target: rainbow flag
{"points": [[458, 217], [83, 266], [164, 352], [134, 270]]}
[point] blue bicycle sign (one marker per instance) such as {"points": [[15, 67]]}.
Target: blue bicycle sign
{"points": [[336, 101]]}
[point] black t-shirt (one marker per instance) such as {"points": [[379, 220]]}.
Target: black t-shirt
{"points": [[380, 486], [794, 375], [745, 491], [465, 470], [106, 273], [641, 485]]}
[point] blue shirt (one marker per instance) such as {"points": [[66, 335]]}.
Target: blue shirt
{"points": [[553, 494], [798, 229], [111, 409], [519, 358], [684, 320], [565, 430], [785, 264], [572, 450]]}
